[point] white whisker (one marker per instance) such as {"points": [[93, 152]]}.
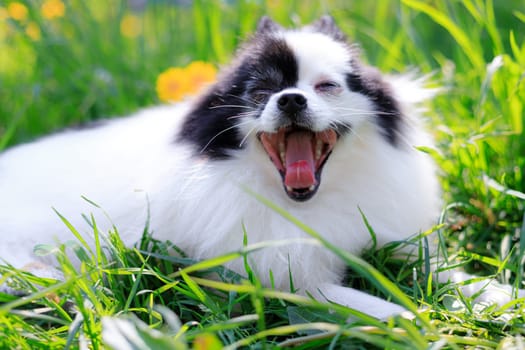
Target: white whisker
{"points": [[243, 114], [231, 106], [251, 101], [222, 132], [362, 111], [245, 138]]}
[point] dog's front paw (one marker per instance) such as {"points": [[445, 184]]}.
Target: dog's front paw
{"points": [[362, 302], [482, 292], [497, 293]]}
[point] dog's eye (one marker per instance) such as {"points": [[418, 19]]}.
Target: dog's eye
{"points": [[261, 95], [327, 87]]}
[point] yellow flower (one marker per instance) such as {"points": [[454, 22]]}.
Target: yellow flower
{"points": [[172, 84], [176, 83], [130, 26], [53, 9], [200, 74], [33, 31], [17, 11]]}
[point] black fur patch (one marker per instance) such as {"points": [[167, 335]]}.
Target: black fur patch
{"points": [[368, 81], [266, 65]]}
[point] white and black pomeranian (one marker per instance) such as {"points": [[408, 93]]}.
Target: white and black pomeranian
{"points": [[296, 118]]}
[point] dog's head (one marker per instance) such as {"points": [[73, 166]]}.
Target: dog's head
{"points": [[296, 93]]}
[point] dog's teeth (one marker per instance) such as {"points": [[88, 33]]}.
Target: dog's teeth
{"points": [[289, 189], [311, 188], [318, 148], [282, 151]]}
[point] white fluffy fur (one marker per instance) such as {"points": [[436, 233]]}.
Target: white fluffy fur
{"points": [[132, 164]]}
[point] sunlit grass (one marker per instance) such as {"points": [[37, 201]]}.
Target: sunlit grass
{"points": [[98, 59]]}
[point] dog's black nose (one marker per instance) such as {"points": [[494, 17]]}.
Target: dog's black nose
{"points": [[291, 103]]}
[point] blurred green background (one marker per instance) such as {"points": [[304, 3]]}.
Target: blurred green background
{"points": [[100, 58]]}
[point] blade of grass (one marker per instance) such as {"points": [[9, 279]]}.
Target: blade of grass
{"points": [[455, 31]]}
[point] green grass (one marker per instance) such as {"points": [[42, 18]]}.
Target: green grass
{"points": [[82, 68]]}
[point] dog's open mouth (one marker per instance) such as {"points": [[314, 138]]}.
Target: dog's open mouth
{"points": [[299, 155]]}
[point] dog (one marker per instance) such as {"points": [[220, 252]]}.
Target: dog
{"points": [[296, 118]]}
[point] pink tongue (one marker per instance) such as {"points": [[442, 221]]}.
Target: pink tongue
{"points": [[300, 165]]}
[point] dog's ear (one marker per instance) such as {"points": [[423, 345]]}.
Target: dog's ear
{"points": [[267, 25], [326, 25]]}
